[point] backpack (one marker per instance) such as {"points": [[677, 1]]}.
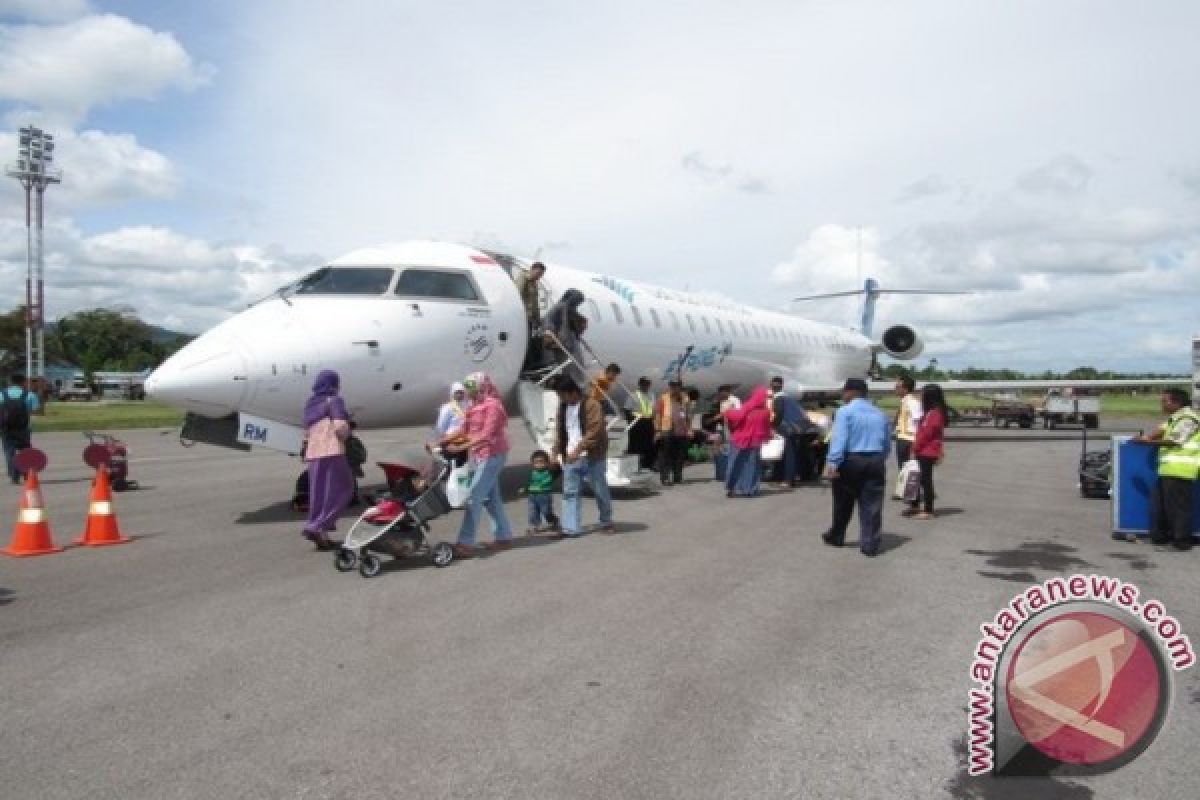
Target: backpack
{"points": [[14, 414]]}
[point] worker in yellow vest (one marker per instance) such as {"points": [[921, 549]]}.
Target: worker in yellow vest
{"points": [[1178, 443], [639, 407]]}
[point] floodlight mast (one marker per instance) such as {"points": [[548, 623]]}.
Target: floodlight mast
{"points": [[35, 171]]}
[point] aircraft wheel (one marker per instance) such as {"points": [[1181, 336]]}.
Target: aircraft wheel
{"points": [[443, 554], [344, 559], [369, 566]]}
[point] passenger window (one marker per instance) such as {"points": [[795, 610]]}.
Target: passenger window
{"points": [[720, 327], [637, 317], [674, 320], [757, 332], [437, 284], [346, 280], [655, 319], [595, 309], [617, 314], [690, 322], [745, 329], [704, 322]]}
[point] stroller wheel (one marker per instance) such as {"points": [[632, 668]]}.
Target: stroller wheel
{"points": [[345, 560], [443, 554], [369, 566]]}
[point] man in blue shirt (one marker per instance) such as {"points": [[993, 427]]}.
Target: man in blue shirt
{"points": [[857, 465], [17, 406]]}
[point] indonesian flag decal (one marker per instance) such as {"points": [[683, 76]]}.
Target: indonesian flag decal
{"points": [[482, 259]]}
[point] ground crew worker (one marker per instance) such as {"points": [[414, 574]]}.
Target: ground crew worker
{"points": [[17, 405], [640, 406], [1178, 443]]}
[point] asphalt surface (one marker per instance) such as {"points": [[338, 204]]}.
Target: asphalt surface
{"points": [[712, 648]]}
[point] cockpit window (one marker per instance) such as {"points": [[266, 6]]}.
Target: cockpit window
{"points": [[346, 280], [437, 283]]}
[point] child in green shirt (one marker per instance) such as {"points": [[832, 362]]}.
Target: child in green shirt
{"points": [[540, 490]]}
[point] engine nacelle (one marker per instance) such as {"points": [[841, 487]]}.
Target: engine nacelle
{"points": [[901, 342]]}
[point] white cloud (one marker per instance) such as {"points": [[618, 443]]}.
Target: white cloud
{"points": [[1064, 175], [63, 71], [43, 10], [168, 277]]}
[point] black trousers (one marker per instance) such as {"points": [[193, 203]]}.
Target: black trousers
{"points": [[641, 442], [925, 499], [903, 451], [862, 480], [1171, 511], [672, 452], [535, 357]]}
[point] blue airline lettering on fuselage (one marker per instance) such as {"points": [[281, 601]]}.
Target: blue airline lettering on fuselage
{"points": [[700, 359]]}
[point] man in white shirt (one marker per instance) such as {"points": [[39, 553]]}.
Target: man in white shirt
{"points": [[581, 445]]}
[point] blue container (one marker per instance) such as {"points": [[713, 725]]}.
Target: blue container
{"points": [[1134, 472]]}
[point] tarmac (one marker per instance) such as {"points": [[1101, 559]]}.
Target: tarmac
{"points": [[712, 648]]}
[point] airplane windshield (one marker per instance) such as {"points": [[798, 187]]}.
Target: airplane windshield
{"points": [[345, 280]]}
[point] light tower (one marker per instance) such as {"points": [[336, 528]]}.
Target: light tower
{"points": [[35, 171]]}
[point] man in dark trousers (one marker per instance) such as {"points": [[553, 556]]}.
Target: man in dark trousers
{"points": [[789, 421], [857, 465], [1178, 443], [528, 286], [672, 430], [16, 423]]}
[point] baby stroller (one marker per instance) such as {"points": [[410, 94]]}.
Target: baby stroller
{"points": [[398, 523]]}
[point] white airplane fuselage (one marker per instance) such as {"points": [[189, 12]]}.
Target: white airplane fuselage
{"points": [[385, 320]]}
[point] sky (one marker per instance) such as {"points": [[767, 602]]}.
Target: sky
{"points": [[1039, 154]]}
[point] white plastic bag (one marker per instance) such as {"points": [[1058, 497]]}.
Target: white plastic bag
{"points": [[458, 485], [909, 482], [772, 450]]}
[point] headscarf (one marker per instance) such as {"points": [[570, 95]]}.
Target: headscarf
{"points": [[750, 425], [480, 384], [325, 401]]}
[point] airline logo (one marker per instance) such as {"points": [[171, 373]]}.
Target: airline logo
{"points": [[699, 359], [477, 345]]}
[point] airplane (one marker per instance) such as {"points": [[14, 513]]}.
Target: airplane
{"points": [[401, 322]]}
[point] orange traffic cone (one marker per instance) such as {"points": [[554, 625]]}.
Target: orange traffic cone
{"points": [[31, 537], [101, 527]]}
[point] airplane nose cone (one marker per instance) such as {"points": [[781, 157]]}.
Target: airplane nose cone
{"points": [[207, 377]]}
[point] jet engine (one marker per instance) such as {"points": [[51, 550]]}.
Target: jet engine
{"points": [[901, 342]]}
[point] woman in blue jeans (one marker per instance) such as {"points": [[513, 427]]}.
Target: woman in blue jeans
{"points": [[486, 430]]}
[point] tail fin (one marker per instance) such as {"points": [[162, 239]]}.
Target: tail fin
{"points": [[870, 294]]}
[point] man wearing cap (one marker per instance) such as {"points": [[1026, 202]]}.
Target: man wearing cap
{"points": [[857, 465]]}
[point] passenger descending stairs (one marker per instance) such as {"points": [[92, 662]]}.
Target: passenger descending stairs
{"points": [[539, 409]]}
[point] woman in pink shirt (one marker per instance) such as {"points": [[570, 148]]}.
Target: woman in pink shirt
{"points": [[486, 430], [749, 430]]}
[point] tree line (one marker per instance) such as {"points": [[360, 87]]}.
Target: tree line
{"points": [[96, 340], [932, 372]]}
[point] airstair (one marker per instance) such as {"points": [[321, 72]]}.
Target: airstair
{"points": [[539, 408]]}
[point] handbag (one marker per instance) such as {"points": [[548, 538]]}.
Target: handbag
{"points": [[773, 449], [909, 481]]}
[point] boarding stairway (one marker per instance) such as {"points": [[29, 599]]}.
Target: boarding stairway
{"points": [[538, 404]]}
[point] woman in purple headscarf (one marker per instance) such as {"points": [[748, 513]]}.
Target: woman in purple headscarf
{"points": [[330, 481]]}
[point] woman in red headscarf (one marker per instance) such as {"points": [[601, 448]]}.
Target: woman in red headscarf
{"points": [[749, 430]]}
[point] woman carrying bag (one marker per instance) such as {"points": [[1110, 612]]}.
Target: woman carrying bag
{"points": [[927, 447], [330, 478]]}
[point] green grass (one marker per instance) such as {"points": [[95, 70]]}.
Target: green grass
{"points": [[1145, 405], [106, 416]]}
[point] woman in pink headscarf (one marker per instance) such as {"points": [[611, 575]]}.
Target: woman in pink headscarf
{"points": [[486, 430], [749, 430]]}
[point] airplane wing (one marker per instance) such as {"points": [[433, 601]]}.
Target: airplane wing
{"points": [[1020, 385]]}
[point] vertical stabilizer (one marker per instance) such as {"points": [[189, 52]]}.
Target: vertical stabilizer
{"points": [[870, 296]]}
